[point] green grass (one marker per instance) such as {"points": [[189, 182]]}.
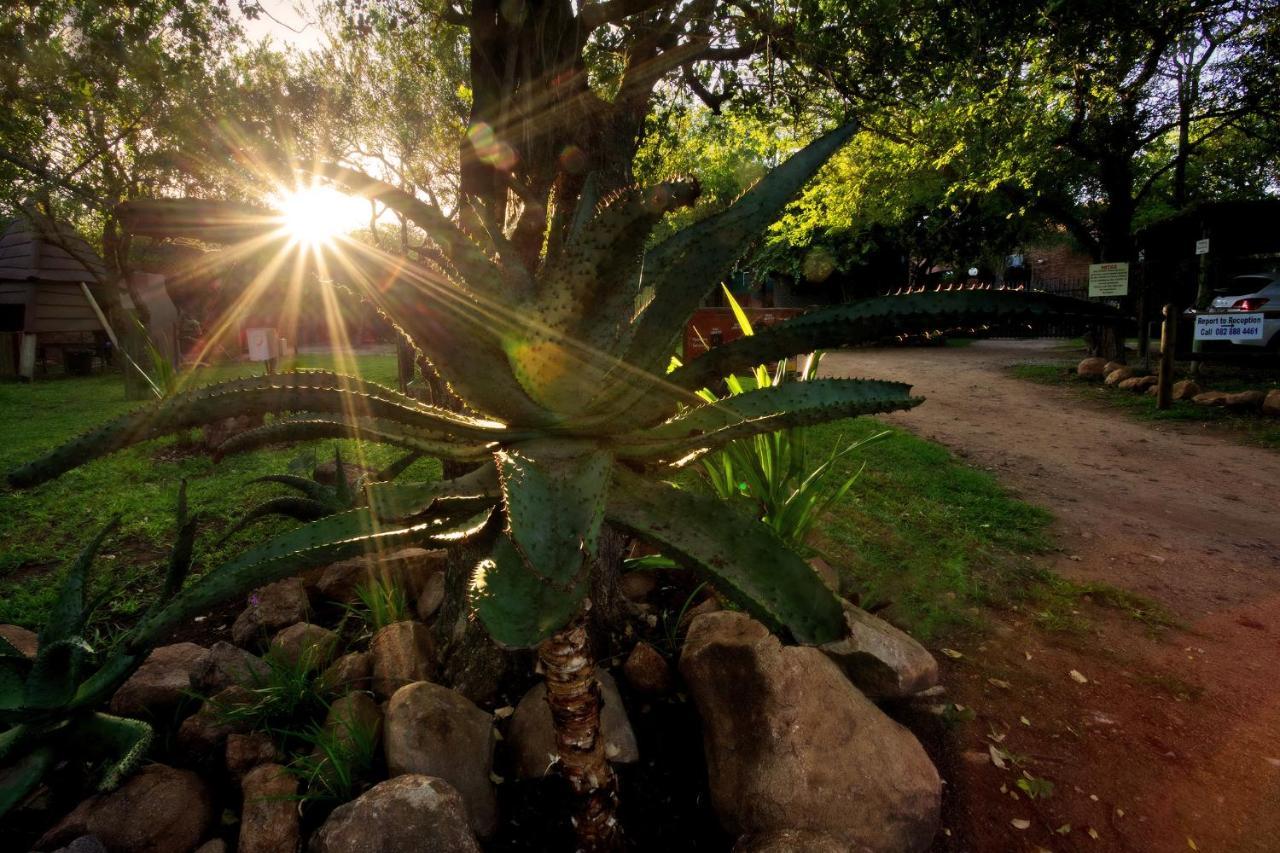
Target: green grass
{"points": [[42, 527], [1252, 429]]}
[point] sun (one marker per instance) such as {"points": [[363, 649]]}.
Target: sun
{"points": [[317, 215]]}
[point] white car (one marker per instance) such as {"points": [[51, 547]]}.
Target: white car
{"points": [[1256, 293]]}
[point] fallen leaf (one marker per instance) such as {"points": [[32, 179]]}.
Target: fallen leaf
{"points": [[1191, 843], [1065, 829], [952, 653], [1020, 823], [1093, 833], [1024, 721], [997, 682], [997, 756], [1077, 676], [1119, 812]]}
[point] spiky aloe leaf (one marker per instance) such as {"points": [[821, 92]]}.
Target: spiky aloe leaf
{"points": [[684, 269], [122, 743], [791, 404], [183, 545], [13, 680], [23, 776], [398, 467], [67, 616], [341, 485], [311, 427], [316, 391], [55, 676], [743, 557], [394, 501], [9, 650], [309, 488], [881, 317], [299, 509], [537, 576]]}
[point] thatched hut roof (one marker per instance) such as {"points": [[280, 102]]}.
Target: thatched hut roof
{"points": [[35, 249]]}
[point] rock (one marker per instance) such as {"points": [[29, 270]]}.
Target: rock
{"points": [[272, 607], [247, 751], [407, 814], [226, 666], [352, 671], [1271, 403], [202, 737], [20, 638], [1139, 384], [1210, 398], [304, 644], [156, 810], [1120, 374], [827, 572], [432, 597], [1186, 389], [411, 568], [269, 816], [83, 844], [433, 731], [707, 605], [637, 585], [792, 745], [532, 739], [219, 431], [1245, 401], [162, 681], [791, 841], [1112, 366], [213, 845], [401, 653], [1092, 368], [326, 473], [880, 660], [647, 671], [353, 716]]}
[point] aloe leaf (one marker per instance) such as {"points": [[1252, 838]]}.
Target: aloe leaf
{"points": [[788, 405], [883, 317], [292, 429], [121, 742], [743, 558], [316, 391], [23, 776], [55, 676], [183, 545], [391, 501], [398, 467], [67, 616], [13, 679], [297, 508], [538, 574], [309, 488]]}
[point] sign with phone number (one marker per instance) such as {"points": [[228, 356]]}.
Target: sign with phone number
{"points": [[1228, 327]]}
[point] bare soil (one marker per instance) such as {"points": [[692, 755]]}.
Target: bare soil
{"points": [[1172, 742]]}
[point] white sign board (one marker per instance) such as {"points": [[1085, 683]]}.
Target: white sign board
{"points": [[1109, 279], [1228, 327], [262, 343], [1202, 246]]}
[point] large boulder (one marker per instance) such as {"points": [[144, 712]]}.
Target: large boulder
{"points": [[227, 665], [792, 745], [1139, 384], [304, 644], [532, 739], [272, 607], [400, 654], [431, 598], [1210, 398], [1186, 389], [20, 638], [883, 662], [1245, 401], [790, 841], [1119, 374], [161, 682], [433, 731], [1092, 368], [1271, 403], [353, 718], [410, 568], [407, 814], [269, 815], [1112, 366], [248, 750], [156, 810], [202, 737]]}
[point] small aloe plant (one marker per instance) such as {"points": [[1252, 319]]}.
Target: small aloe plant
{"points": [[571, 419]]}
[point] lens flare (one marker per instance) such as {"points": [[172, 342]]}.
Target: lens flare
{"points": [[316, 215]]}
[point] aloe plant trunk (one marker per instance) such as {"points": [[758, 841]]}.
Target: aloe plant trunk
{"points": [[573, 694]]}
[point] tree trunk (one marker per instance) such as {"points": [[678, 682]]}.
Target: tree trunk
{"points": [[573, 694]]}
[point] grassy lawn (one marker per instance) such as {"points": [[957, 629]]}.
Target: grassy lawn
{"points": [[1252, 429], [43, 527], [933, 538]]}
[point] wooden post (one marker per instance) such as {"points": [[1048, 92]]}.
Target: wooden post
{"points": [[1168, 342], [27, 357]]}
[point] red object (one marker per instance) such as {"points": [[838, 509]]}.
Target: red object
{"points": [[711, 327], [1249, 304]]}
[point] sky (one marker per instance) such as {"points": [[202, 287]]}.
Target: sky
{"points": [[291, 26]]}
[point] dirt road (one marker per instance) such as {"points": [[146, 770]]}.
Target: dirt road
{"points": [[1176, 735]]}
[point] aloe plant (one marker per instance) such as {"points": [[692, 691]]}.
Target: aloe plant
{"points": [[571, 420]]}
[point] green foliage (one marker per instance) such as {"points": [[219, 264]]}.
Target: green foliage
{"points": [[336, 762], [278, 695], [382, 602]]}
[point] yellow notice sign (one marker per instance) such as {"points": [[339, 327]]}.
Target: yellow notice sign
{"points": [[1109, 279]]}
